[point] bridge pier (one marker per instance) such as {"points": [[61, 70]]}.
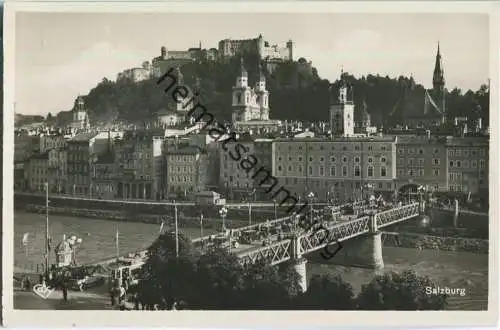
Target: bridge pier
{"points": [[363, 252], [300, 267]]}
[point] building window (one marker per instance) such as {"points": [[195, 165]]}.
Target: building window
{"points": [[458, 153], [383, 159], [436, 172], [300, 159], [466, 153], [482, 163], [383, 148], [370, 160], [383, 171], [380, 185], [344, 148], [459, 164], [310, 170], [401, 151], [332, 171], [321, 171], [289, 159], [357, 170], [279, 159], [322, 159], [279, 168], [474, 164], [450, 153], [436, 161], [420, 172], [344, 171], [344, 159], [370, 148], [401, 172], [332, 159], [451, 163], [411, 172], [300, 169], [356, 147], [290, 168], [310, 159], [370, 171]]}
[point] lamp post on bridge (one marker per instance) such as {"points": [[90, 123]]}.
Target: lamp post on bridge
{"points": [[311, 197], [275, 209]]}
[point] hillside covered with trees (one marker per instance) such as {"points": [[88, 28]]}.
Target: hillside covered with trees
{"points": [[297, 92]]}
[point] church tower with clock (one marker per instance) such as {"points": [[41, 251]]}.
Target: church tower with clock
{"points": [[342, 112]]}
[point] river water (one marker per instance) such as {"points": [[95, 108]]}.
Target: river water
{"points": [[447, 269]]}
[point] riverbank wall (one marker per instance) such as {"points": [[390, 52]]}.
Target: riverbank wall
{"points": [[183, 221], [455, 244]]}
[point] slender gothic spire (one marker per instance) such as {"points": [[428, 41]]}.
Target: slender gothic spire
{"points": [[438, 76]]}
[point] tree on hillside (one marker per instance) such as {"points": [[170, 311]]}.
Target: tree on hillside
{"points": [[405, 291], [327, 292]]}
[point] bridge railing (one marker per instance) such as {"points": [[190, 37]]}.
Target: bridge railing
{"points": [[342, 231], [272, 254], [397, 214]]}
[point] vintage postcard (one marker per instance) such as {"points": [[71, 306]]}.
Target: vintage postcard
{"points": [[288, 162]]}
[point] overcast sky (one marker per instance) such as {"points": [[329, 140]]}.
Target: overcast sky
{"points": [[61, 55]]}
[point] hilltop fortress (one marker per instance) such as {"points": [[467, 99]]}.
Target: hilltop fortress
{"points": [[227, 49]]}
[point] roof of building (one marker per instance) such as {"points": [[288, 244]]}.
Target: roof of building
{"points": [[341, 139], [82, 137], [185, 150], [43, 155], [468, 141], [106, 158]]}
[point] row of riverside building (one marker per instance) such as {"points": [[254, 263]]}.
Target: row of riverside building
{"points": [[142, 164]]}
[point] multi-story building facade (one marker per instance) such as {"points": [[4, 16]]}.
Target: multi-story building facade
{"points": [[339, 167], [139, 158], [48, 142], [80, 156], [38, 171], [186, 171], [25, 145], [421, 161], [467, 162], [233, 179], [264, 154], [57, 170], [104, 176]]}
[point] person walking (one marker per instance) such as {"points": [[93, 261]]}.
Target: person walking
{"points": [[65, 291]]}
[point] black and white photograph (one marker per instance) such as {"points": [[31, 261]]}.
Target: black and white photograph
{"points": [[248, 159]]}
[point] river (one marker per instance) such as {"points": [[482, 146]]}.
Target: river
{"points": [[451, 269]]}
